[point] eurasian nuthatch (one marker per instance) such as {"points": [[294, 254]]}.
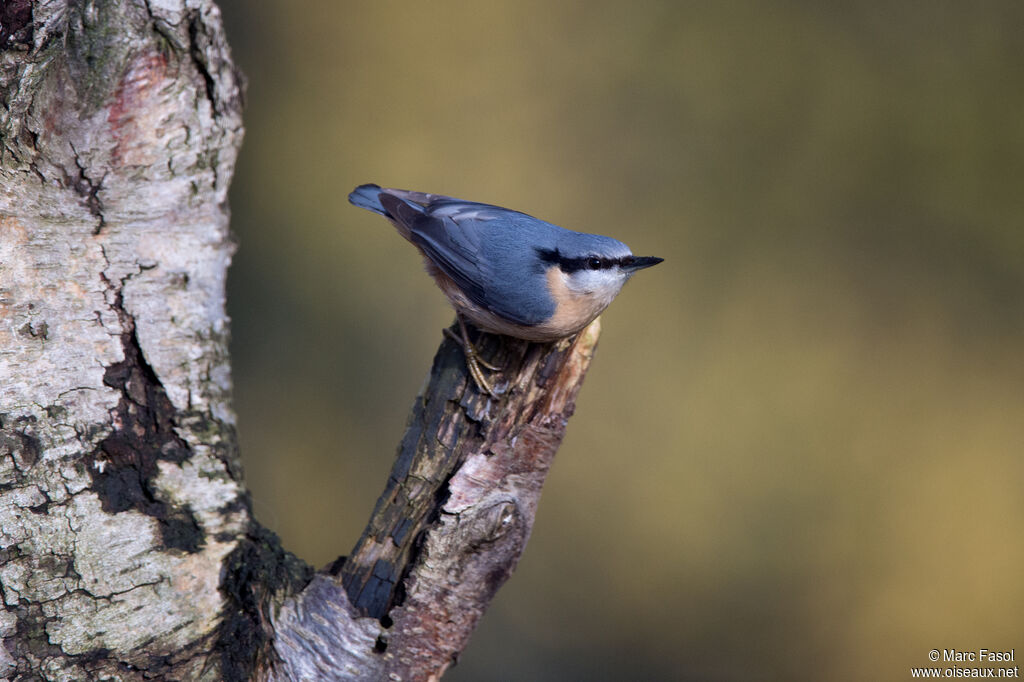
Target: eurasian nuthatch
{"points": [[507, 272]]}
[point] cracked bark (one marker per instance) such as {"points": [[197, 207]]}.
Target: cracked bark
{"points": [[127, 544]]}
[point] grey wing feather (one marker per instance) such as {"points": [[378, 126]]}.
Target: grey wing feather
{"points": [[456, 251], [474, 245], [452, 247], [483, 249]]}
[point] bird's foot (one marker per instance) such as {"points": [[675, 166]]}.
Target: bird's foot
{"points": [[473, 360]]}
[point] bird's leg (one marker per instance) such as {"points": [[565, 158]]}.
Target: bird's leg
{"points": [[473, 359], [479, 359]]}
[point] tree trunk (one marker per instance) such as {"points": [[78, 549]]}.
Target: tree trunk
{"points": [[127, 544]]}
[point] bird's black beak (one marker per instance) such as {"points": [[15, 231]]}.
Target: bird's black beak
{"points": [[641, 262]]}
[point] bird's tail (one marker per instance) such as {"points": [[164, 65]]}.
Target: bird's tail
{"points": [[397, 205], [368, 197]]}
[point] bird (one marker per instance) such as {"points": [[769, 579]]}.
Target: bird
{"points": [[505, 271]]}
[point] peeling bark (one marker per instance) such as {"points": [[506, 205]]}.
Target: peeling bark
{"points": [[120, 490], [127, 545]]}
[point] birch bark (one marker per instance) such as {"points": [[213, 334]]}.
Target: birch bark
{"points": [[120, 492]]}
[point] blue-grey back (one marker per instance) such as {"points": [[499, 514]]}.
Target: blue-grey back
{"points": [[498, 257], [492, 254]]}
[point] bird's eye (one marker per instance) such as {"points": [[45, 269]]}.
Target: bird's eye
{"points": [[595, 263]]}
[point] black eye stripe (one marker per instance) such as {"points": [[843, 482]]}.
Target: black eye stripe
{"points": [[593, 262]]}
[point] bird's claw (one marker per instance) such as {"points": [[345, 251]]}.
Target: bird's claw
{"points": [[473, 359]]}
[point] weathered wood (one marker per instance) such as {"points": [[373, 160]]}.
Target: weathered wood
{"points": [[453, 520]]}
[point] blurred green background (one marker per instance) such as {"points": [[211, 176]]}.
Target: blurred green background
{"points": [[799, 453]]}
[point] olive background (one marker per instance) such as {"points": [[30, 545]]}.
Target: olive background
{"points": [[799, 451]]}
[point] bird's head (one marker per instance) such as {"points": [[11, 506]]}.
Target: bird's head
{"points": [[595, 266]]}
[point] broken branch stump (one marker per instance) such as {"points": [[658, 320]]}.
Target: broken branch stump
{"points": [[453, 519]]}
